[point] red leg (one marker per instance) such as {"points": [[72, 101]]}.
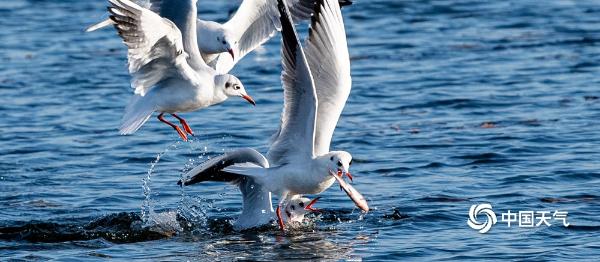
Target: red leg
{"points": [[279, 219], [179, 131], [184, 124]]}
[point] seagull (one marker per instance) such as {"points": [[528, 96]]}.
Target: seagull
{"points": [[254, 23], [316, 85], [169, 74], [257, 209]]}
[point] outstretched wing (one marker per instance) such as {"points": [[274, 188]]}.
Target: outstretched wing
{"points": [[108, 22], [155, 48], [303, 9], [183, 14], [255, 22], [257, 209], [213, 170], [295, 137], [327, 54]]}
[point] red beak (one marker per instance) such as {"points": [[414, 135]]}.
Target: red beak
{"points": [[341, 174], [349, 176], [249, 99], [311, 203], [230, 51]]}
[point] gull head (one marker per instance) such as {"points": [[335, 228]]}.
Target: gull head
{"points": [[339, 162], [232, 87], [297, 207], [226, 43]]}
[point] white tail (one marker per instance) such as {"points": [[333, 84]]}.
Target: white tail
{"points": [[136, 114]]}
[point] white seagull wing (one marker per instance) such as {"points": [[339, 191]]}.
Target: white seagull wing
{"points": [[254, 23], [183, 13], [155, 48], [145, 4], [295, 138], [327, 54]]}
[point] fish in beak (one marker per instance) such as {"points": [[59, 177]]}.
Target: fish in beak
{"points": [[359, 199], [341, 174]]}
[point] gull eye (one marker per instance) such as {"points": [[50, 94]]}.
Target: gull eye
{"points": [[224, 42], [236, 87], [339, 163], [293, 207], [331, 158], [301, 204]]}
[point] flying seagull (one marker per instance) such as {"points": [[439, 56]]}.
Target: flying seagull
{"points": [[169, 74], [254, 23]]}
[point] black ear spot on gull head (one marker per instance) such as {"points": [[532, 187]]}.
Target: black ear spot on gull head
{"points": [[293, 207], [331, 158]]}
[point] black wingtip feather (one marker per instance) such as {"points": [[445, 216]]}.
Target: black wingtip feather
{"points": [[345, 3], [114, 19], [288, 32], [316, 16]]}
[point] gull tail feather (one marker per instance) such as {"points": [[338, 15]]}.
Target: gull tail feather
{"points": [[136, 114]]}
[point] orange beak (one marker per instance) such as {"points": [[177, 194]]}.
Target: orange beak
{"points": [[349, 176], [311, 203], [249, 99]]}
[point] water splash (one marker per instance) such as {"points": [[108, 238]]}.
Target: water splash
{"points": [[191, 210], [147, 210]]}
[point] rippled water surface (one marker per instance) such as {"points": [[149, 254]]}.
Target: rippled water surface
{"points": [[454, 103]]}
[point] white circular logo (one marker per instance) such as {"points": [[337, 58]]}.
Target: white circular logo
{"points": [[485, 226]]}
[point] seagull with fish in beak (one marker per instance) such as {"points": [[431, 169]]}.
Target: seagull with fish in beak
{"points": [[299, 161], [257, 207]]}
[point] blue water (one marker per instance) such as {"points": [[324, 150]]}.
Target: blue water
{"points": [[454, 103]]}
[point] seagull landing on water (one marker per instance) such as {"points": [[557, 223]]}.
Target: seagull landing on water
{"points": [[169, 74], [316, 84], [257, 207], [254, 22]]}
